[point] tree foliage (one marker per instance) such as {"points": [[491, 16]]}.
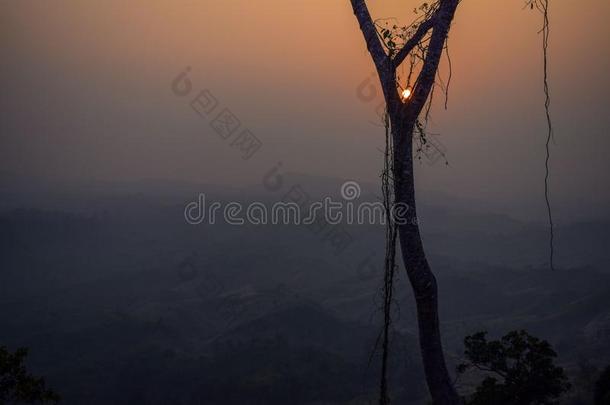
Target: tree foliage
{"points": [[17, 385], [519, 369]]}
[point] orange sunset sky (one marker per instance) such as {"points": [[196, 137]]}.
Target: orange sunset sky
{"points": [[86, 95]]}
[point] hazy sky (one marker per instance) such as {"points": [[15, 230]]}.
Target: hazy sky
{"points": [[86, 95]]}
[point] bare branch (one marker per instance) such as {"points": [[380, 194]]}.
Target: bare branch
{"points": [[369, 31], [423, 28], [382, 61], [425, 80]]}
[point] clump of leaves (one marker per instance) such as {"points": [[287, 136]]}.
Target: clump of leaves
{"points": [[17, 385], [394, 36], [520, 370]]}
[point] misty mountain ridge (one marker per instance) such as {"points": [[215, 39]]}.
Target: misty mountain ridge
{"points": [[124, 288]]}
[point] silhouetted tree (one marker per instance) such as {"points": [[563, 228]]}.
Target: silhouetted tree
{"points": [[520, 370], [421, 45], [17, 385], [403, 117], [602, 388]]}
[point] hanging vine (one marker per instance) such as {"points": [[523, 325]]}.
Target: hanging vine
{"points": [[391, 233], [543, 7]]}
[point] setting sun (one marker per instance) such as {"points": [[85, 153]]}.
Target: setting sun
{"points": [[406, 93]]}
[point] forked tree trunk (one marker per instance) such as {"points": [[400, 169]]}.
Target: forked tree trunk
{"points": [[403, 117]]}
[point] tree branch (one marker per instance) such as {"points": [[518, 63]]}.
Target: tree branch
{"points": [[382, 61], [423, 28], [490, 370], [426, 77]]}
